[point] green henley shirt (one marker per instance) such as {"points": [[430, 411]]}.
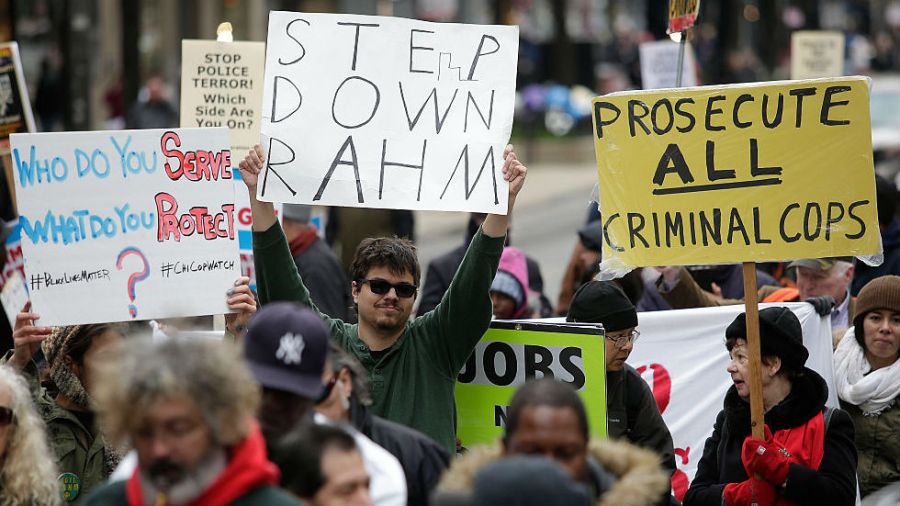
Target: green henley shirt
{"points": [[413, 383]]}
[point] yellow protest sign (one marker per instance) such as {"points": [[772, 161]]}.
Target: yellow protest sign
{"points": [[511, 353], [722, 174]]}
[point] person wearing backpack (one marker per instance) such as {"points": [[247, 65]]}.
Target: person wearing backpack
{"points": [[808, 456]]}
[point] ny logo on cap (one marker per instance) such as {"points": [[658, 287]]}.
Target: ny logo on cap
{"points": [[290, 348]]}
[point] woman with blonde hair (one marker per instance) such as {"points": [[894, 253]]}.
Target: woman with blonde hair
{"points": [[27, 469]]}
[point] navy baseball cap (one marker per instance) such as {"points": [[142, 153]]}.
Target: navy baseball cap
{"points": [[285, 347]]}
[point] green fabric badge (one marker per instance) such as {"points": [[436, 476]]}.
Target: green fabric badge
{"points": [[70, 485]]}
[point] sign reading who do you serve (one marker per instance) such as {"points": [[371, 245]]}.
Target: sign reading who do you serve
{"points": [[122, 225]]}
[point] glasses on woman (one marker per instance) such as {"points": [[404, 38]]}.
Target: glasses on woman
{"points": [[622, 340], [6, 416], [380, 287]]}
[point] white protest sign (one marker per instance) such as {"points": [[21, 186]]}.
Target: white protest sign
{"points": [[682, 355], [659, 65], [387, 112], [13, 296], [125, 225], [816, 54], [221, 85]]}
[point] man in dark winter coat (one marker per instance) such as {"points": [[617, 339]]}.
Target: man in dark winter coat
{"points": [[547, 418], [631, 409], [286, 347], [317, 264], [347, 400]]}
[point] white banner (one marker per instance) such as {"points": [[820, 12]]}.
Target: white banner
{"points": [[387, 112], [682, 355], [125, 225]]}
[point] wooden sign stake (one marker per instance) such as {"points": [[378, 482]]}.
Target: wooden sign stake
{"points": [[751, 304]]}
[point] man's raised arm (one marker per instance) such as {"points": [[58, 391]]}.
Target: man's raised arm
{"points": [[495, 225], [263, 212]]}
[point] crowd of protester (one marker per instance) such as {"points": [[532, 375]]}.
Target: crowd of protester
{"points": [[333, 393]]}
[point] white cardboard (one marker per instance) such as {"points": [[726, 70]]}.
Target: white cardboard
{"points": [[109, 196], [332, 100]]}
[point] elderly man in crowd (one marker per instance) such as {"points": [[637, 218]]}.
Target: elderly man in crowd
{"points": [[187, 408]]}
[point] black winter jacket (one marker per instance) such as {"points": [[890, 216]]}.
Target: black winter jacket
{"points": [[833, 484], [632, 414], [423, 460]]}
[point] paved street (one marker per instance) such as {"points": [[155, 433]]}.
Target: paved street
{"points": [[550, 209]]}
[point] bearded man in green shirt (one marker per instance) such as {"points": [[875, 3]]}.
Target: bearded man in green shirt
{"points": [[412, 364]]}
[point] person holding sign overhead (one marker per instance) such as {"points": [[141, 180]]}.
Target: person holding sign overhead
{"points": [[412, 364], [808, 456]]}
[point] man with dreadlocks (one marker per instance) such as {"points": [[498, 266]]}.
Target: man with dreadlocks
{"points": [[83, 456]]}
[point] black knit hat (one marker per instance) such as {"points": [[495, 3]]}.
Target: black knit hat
{"points": [[603, 302], [780, 335], [591, 236]]}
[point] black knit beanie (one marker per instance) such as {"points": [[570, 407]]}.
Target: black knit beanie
{"points": [[780, 335], [603, 302]]}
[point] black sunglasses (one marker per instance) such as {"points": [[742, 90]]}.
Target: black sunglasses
{"points": [[6, 416], [380, 287]]}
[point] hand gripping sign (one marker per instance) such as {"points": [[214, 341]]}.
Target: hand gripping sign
{"points": [[723, 174]]}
